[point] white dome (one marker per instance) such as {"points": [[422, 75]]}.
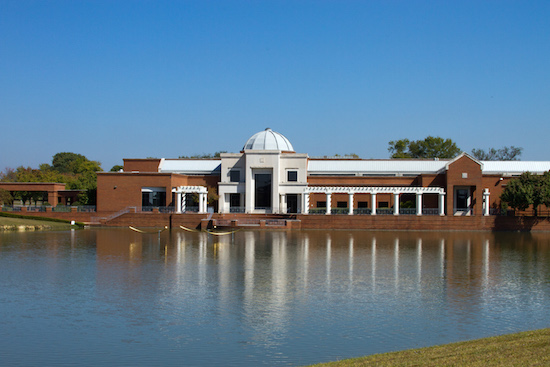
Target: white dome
{"points": [[268, 140]]}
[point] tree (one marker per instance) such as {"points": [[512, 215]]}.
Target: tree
{"points": [[203, 156], [511, 153], [528, 189], [5, 197], [116, 168], [430, 147]]}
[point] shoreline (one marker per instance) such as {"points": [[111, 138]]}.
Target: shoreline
{"points": [[525, 348]]}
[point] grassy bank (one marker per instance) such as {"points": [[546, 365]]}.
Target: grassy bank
{"points": [[12, 223], [531, 348]]}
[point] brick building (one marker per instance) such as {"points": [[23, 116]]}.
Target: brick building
{"points": [[268, 176]]}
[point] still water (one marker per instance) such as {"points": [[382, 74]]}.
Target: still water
{"points": [[120, 298]]}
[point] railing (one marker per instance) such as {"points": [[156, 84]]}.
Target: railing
{"points": [[384, 211], [237, 209], [407, 211], [61, 209], [339, 210], [362, 211], [264, 210], [430, 211], [35, 209], [317, 211], [192, 209], [167, 209], [86, 208]]}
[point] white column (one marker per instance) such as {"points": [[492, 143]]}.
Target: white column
{"points": [[178, 202], [329, 203], [350, 201], [486, 202], [202, 201], [183, 202], [282, 203], [305, 207], [441, 204], [373, 204], [395, 203], [418, 203]]}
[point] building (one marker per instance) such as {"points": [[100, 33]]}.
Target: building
{"points": [[269, 176]]}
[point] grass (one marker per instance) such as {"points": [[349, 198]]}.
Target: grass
{"points": [[12, 223], [531, 348]]}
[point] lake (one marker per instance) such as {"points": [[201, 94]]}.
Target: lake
{"points": [[275, 298]]}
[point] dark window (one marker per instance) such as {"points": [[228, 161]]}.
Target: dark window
{"points": [[292, 203], [383, 204], [155, 198], [292, 176], [235, 176], [342, 204], [362, 204], [321, 204], [262, 190], [235, 200]]}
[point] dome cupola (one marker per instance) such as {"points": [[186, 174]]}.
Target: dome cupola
{"points": [[268, 140]]}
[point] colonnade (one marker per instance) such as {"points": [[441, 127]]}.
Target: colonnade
{"points": [[373, 191], [181, 197]]}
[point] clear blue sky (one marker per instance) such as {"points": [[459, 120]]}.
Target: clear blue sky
{"points": [[136, 79]]}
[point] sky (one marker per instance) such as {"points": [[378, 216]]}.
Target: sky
{"points": [[137, 79]]}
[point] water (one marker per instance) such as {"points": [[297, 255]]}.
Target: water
{"points": [[120, 298]]}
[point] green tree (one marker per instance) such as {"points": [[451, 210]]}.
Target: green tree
{"points": [[430, 147], [203, 156], [511, 153], [528, 189], [5, 197], [116, 168]]}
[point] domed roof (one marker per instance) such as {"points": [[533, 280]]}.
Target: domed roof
{"points": [[268, 140]]}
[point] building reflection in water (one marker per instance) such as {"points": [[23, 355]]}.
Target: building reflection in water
{"points": [[264, 275]]}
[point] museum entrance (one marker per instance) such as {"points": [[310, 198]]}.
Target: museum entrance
{"points": [[262, 191]]}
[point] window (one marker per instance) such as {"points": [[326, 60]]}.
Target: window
{"points": [[235, 175], [341, 204], [321, 204], [362, 204], [383, 204], [292, 176]]}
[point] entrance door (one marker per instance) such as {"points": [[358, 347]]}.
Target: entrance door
{"points": [[462, 201], [262, 191], [292, 203]]}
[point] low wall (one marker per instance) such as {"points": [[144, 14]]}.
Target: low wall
{"points": [[367, 222], [429, 223]]}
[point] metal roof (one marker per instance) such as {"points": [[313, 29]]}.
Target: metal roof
{"points": [[407, 166], [190, 166], [515, 167], [375, 166]]}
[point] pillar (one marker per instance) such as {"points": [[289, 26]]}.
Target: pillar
{"points": [[329, 203], [418, 203], [202, 203], [282, 204], [486, 202], [350, 203], [178, 202], [373, 199], [441, 203], [183, 202], [305, 207], [395, 203]]}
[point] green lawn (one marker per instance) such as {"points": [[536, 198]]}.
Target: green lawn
{"points": [[531, 348], [11, 224]]}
